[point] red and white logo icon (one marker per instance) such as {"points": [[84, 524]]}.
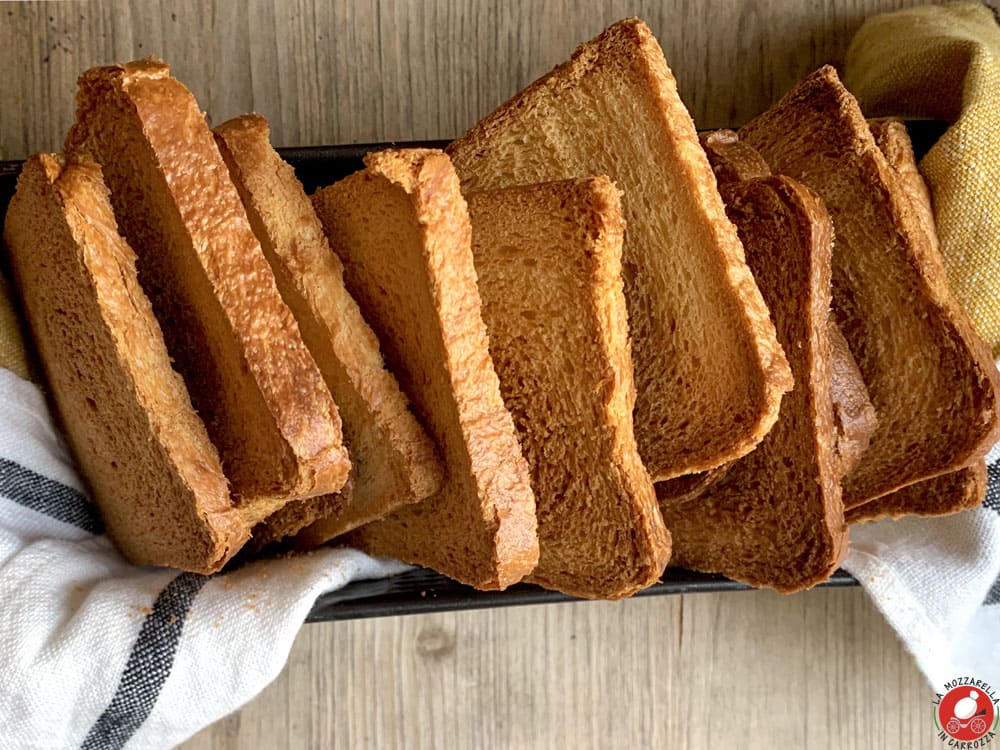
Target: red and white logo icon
{"points": [[967, 711]]}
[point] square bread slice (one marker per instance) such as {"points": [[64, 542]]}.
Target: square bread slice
{"points": [[126, 414], [401, 228], [938, 496], [231, 337], [548, 259], [931, 379], [393, 461], [709, 372], [775, 517]]}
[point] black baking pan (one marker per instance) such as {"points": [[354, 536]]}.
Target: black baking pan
{"points": [[420, 590]]}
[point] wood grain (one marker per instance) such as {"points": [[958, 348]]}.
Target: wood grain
{"points": [[750, 670], [355, 71], [819, 670]]}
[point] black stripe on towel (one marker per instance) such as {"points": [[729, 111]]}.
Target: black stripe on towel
{"points": [[47, 496], [994, 596], [992, 500], [148, 665]]}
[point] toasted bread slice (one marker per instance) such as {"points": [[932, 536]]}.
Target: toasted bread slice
{"points": [[939, 496], [548, 259], [709, 372], [393, 461], [775, 518], [853, 414], [401, 228], [930, 377], [231, 337], [146, 456]]}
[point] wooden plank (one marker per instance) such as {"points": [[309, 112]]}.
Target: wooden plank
{"points": [[353, 72], [750, 670]]}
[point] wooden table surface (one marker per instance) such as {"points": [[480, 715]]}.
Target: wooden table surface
{"points": [[748, 670]]}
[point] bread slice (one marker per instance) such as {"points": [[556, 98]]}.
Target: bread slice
{"points": [[775, 518], [931, 379], [401, 228], [893, 141], [709, 372], [231, 337], [393, 461], [853, 414], [126, 414], [548, 259], [940, 496]]}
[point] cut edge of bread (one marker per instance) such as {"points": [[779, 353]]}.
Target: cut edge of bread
{"points": [[177, 479], [394, 462], [146, 130], [503, 509], [632, 41], [911, 225], [603, 538], [731, 524]]}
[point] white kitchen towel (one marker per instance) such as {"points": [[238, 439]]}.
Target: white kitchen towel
{"points": [[98, 654], [937, 582]]}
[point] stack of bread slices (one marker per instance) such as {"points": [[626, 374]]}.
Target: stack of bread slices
{"points": [[579, 344]]}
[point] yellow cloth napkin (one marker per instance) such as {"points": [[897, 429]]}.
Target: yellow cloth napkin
{"points": [[943, 63], [12, 354]]}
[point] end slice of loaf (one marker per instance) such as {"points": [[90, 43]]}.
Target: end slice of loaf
{"points": [[393, 461], [401, 228], [939, 496], [146, 456], [709, 372], [233, 340], [548, 259], [930, 377], [775, 518]]}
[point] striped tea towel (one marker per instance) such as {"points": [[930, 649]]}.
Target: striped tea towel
{"points": [[98, 654], [937, 582]]}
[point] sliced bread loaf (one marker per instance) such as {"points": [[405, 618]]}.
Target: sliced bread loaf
{"points": [[930, 377], [231, 337], [775, 518], [401, 228], [548, 260], [939, 496], [126, 414], [709, 372], [393, 461]]}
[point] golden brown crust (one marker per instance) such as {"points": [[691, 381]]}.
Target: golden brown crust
{"points": [[394, 462], [548, 260], [930, 377], [406, 210], [613, 109], [939, 496], [236, 343], [126, 414]]}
